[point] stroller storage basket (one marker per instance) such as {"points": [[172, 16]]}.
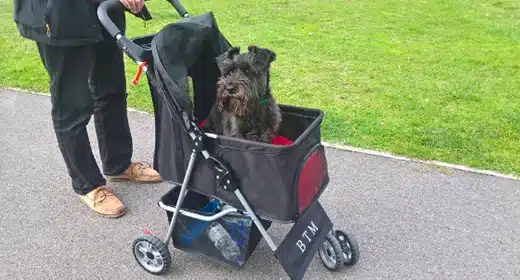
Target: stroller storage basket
{"points": [[191, 235]]}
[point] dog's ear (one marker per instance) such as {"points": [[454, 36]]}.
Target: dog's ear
{"points": [[226, 59], [262, 57], [233, 52]]}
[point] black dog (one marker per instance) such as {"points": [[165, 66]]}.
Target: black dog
{"points": [[245, 107]]}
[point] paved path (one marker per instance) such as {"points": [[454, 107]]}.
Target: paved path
{"points": [[412, 221]]}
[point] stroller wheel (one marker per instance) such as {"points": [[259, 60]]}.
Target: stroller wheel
{"points": [[331, 254], [349, 247], [152, 254]]}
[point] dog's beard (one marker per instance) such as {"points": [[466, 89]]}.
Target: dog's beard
{"points": [[241, 103]]}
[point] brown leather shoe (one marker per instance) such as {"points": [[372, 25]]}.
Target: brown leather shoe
{"points": [[104, 202], [140, 172]]}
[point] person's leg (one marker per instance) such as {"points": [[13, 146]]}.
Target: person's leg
{"points": [[71, 99], [72, 107], [108, 84]]}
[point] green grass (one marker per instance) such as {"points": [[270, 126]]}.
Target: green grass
{"points": [[427, 79]]}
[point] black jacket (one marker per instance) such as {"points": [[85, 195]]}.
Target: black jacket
{"points": [[62, 22]]}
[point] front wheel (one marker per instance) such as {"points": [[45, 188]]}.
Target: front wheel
{"points": [[152, 254], [331, 253], [349, 247]]}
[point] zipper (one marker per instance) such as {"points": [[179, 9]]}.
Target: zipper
{"points": [[48, 10]]}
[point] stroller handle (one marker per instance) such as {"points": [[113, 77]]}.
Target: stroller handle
{"points": [[180, 9], [134, 51], [106, 21]]}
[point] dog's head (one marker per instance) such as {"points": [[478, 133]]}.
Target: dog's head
{"points": [[244, 81]]}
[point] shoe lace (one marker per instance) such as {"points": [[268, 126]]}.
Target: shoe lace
{"points": [[141, 165], [101, 194]]}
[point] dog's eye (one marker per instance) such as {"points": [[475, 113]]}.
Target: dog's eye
{"points": [[227, 72], [249, 71]]}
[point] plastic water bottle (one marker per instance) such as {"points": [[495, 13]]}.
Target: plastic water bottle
{"points": [[223, 241]]}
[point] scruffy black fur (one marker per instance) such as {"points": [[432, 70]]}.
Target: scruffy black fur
{"points": [[242, 89]]}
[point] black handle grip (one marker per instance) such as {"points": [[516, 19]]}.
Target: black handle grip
{"points": [[178, 6], [134, 51], [109, 5], [102, 13]]}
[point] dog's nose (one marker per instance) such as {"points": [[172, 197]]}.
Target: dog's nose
{"points": [[231, 90]]}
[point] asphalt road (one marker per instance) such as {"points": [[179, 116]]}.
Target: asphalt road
{"points": [[411, 220]]}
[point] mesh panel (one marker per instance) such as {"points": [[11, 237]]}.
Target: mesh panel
{"points": [[311, 178]]}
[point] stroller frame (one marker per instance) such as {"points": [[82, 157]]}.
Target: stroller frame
{"points": [[184, 189], [336, 248]]}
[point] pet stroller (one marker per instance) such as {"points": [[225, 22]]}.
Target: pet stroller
{"points": [[226, 192]]}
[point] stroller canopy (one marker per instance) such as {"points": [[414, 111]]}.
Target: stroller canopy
{"points": [[188, 48]]}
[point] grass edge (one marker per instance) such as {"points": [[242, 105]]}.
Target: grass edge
{"points": [[341, 147]]}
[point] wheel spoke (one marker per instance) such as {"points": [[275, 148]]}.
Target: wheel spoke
{"points": [[327, 245], [157, 255], [142, 249], [158, 262], [149, 247], [158, 259]]}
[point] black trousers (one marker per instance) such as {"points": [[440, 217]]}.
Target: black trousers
{"points": [[85, 81]]}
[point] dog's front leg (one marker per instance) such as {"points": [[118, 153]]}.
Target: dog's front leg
{"points": [[253, 136], [267, 137], [258, 135], [232, 127]]}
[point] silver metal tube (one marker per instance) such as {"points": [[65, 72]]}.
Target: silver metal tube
{"points": [[182, 195], [211, 135], [258, 224], [198, 216]]}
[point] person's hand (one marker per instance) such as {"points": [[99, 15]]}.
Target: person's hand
{"points": [[134, 6]]}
